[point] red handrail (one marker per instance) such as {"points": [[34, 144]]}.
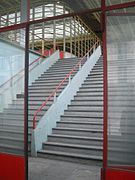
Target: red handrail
{"points": [[67, 76], [20, 71]]}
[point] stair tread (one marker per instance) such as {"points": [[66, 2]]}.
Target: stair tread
{"points": [[78, 116], [77, 129], [12, 138], [76, 137], [85, 110], [76, 122], [93, 157], [74, 145], [10, 146], [12, 131]]}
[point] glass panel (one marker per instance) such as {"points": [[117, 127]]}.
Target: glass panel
{"points": [[114, 2], [12, 62], [10, 12], [121, 89]]}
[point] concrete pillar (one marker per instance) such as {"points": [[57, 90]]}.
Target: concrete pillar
{"points": [[64, 33], [25, 16], [25, 10], [71, 36], [54, 28], [75, 37]]}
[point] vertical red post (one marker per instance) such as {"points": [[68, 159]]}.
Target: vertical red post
{"points": [[105, 99], [26, 18], [26, 100]]}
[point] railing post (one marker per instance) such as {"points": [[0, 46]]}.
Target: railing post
{"points": [[88, 55], [69, 79], [43, 47], [80, 67], [49, 53], [55, 98], [94, 48]]}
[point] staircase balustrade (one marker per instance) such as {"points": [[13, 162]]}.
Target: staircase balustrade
{"points": [[40, 132]]}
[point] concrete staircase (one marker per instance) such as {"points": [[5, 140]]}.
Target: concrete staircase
{"points": [[12, 118], [79, 134]]}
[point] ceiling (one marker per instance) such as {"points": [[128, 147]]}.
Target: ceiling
{"points": [[91, 20]]}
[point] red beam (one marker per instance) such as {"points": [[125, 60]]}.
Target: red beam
{"points": [[23, 25], [120, 6], [86, 11], [121, 14], [13, 27]]}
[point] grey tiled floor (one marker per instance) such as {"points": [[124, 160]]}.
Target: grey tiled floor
{"points": [[45, 169]]}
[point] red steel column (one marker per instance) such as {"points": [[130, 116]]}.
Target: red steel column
{"points": [[105, 99]]}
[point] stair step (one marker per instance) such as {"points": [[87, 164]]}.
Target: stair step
{"points": [[11, 149], [50, 87], [12, 141], [21, 112], [52, 74], [52, 84], [43, 94], [75, 139], [12, 133], [85, 108], [78, 132], [94, 78], [94, 75], [84, 93], [80, 119], [82, 125], [51, 78], [59, 71], [84, 114], [32, 106], [89, 98], [58, 80], [91, 90], [73, 157], [73, 148], [19, 117], [92, 86], [86, 103], [14, 124]]}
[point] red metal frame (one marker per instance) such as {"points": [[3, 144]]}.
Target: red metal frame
{"points": [[119, 6], [23, 25], [12, 167], [116, 172], [105, 140], [121, 14], [86, 11], [26, 83], [120, 174], [102, 9], [60, 84]]}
